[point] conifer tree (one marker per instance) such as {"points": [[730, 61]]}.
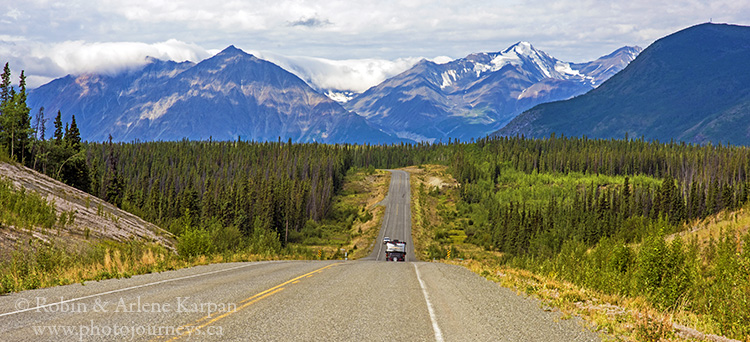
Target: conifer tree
{"points": [[73, 136], [5, 87], [58, 135]]}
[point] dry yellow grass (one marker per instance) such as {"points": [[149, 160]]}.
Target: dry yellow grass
{"points": [[375, 188], [618, 318], [424, 213], [733, 222]]}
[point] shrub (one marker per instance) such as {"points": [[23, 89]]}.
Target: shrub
{"points": [[435, 251], [664, 272], [264, 240], [194, 242], [225, 238]]}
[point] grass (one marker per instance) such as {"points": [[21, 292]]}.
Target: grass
{"points": [[711, 228], [431, 197], [37, 264], [24, 209], [437, 226]]}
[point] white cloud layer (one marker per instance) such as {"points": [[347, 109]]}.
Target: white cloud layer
{"points": [[355, 75], [48, 38], [44, 62]]}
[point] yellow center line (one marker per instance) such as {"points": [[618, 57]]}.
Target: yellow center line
{"points": [[288, 282], [199, 327], [245, 303]]}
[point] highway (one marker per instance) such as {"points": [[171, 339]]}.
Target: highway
{"points": [[397, 217], [363, 300]]}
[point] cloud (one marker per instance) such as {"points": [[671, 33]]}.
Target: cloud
{"points": [[355, 75], [391, 30], [43, 62], [79, 57], [310, 22]]}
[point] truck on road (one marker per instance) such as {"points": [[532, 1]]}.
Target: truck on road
{"points": [[395, 250]]}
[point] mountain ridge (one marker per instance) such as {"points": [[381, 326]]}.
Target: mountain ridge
{"points": [[478, 94], [688, 86], [228, 96], [236, 95]]}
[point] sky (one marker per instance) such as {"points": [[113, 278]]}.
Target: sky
{"points": [[348, 44]]}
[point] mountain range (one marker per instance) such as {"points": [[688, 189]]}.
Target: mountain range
{"points": [[691, 86], [237, 95], [228, 96], [476, 95]]}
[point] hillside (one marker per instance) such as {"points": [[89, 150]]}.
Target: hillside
{"points": [[690, 86], [93, 218]]}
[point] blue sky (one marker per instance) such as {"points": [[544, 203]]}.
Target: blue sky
{"points": [[362, 41]]}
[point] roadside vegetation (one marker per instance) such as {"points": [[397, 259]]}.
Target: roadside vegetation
{"points": [[649, 290], [666, 252], [33, 262], [24, 209]]}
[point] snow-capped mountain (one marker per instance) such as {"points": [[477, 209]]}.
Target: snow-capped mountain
{"points": [[473, 96], [691, 86], [228, 96]]}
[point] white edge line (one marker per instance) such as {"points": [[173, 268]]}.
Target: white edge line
{"points": [[435, 327], [121, 290]]}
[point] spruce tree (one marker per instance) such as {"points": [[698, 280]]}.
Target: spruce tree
{"points": [[5, 87], [58, 135], [73, 136]]}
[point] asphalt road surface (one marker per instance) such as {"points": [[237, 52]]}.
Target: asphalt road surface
{"points": [[397, 217], [365, 300]]}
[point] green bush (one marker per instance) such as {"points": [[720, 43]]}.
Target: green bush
{"points": [[664, 271], [729, 279], [435, 251], [194, 242], [6, 283], [263, 240], [366, 216], [225, 238]]}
